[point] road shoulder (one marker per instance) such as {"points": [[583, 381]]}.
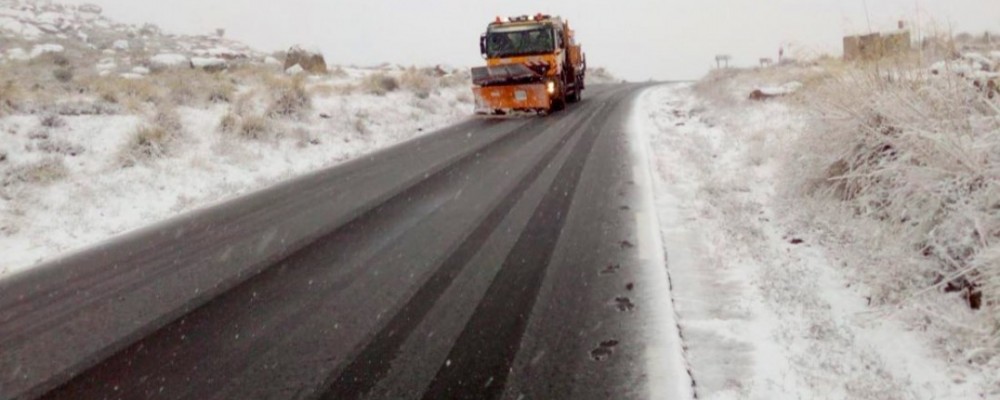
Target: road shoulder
{"points": [[764, 309]]}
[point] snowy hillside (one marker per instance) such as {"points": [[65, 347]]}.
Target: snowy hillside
{"points": [[834, 228], [106, 127]]}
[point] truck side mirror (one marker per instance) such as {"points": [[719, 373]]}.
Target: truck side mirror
{"points": [[482, 44]]}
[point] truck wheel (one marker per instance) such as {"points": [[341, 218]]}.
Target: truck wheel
{"points": [[575, 97], [559, 104]]}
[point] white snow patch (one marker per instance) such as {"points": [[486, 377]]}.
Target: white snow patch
{"points": [[45, 49], [18, 54], [169, 60], [203, 62], [295, 70], [120, 45]]}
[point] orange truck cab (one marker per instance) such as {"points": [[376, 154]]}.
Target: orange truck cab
{"points": [[532, 64]]}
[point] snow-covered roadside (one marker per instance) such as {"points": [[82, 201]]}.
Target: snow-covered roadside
{"points": [[90, 197], [764, 308]]}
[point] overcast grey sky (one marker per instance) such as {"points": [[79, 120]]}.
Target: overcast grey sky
{"points": [[635, 39]]}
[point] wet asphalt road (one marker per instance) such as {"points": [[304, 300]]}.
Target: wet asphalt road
{"points": [[495, 259]]}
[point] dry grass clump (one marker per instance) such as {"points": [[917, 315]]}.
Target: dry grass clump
{"points": [[253, 127], [129, 93], [379, 83], [10, 96], [44, 171], [289, 98], [153, 139], [420, 82], [193, 87]]}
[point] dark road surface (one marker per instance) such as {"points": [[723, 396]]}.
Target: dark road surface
{"points": [[495, 259]]}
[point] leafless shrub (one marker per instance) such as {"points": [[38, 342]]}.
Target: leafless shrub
{"points": [[53, 121], [290, 99], [152, 140], [380, 83], [40, 172], [229, 123], [148, 142], [254, 127]]}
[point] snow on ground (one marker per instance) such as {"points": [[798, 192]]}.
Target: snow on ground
{"points": [[765, 308], [65, 187]]}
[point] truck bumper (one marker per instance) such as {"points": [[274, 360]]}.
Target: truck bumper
{"points": [[507, 98]]}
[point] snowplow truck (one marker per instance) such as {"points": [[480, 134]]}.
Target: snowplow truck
{"points": [[533, 64]]}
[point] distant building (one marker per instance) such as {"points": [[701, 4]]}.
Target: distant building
{"points": [[876, 45]]}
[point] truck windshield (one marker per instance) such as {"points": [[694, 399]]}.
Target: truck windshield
{"points": [[516, 41]]}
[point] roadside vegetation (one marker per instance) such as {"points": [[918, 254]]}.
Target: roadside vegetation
{"points": [[897, 161]]}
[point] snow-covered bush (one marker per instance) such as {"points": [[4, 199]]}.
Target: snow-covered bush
{"points": [[153, 139], [289, 98], [418, 81], [254, 127], [250, 126], [380, 83], [920, 156]]}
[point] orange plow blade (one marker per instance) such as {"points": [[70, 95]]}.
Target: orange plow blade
{"points": [[508, 98]]}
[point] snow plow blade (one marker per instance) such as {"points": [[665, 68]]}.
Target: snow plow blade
{"points": [[505, 99], [504, 74]]}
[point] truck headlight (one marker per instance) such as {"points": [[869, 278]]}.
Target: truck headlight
{"points": [[551, 87]]}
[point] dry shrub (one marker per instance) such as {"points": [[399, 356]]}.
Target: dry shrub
{"points": [[53, 121], [10, 96], [152, 140], [379, 84], [40, 172], [60, 146], [130, 93], [919, 156], [289, 99], [147, 143], [254, 127], [420, 82], [229, 123], [194, 87]]}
